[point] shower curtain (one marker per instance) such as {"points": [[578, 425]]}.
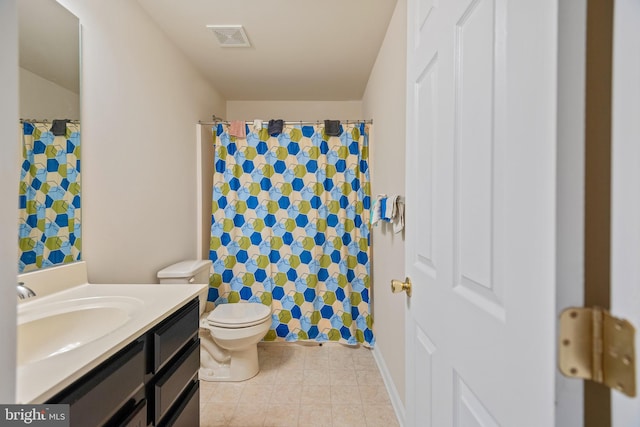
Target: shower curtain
{"points": [[290, 230], [49, 197]]}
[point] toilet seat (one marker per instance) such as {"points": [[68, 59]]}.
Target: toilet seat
{"points": [[238, 315]]}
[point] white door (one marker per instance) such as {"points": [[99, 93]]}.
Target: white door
{"points": [[625, 209], [481, 189]]}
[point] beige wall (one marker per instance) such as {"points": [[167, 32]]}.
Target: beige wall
{"points": [[294, 110], [43, 99], [206, 162], [140, 101], [384, 101], [9, 177]]}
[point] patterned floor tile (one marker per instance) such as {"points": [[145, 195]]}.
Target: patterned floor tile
{"points": [[305, 386]]}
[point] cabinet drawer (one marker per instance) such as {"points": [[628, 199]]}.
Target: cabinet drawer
{"points": [[130, 410], [187, 413], [174, 333], [176, 379], [138, 418], [100, 394]]}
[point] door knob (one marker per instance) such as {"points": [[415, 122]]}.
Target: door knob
{"points": [[398, 286]]}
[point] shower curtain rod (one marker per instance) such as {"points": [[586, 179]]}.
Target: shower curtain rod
{"points": [[287, 122], [44, 121]]}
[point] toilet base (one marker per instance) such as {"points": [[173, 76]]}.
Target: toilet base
{"points": [[241, 366]]}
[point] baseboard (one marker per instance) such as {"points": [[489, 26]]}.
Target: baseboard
{"points": [[396, 402]]}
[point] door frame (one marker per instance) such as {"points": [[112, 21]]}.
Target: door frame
{"points": [[572, 35]]}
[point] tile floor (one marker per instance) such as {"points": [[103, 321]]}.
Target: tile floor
{"points": [[302, 385]]}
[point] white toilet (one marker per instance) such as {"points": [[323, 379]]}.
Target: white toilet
{"points": [[229, 334]]}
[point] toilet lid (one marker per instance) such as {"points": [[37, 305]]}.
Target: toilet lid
{"points": [[238, 315]]}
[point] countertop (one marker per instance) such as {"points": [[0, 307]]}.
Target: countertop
{"points": [[38, 381]]}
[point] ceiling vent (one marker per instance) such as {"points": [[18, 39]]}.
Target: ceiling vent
{"points": [[230, 35]]}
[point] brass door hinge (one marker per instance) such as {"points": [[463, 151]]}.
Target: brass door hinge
{"points": [[596, 346]]}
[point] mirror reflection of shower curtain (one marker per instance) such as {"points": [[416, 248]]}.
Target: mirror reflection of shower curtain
{"points": [[49, 197], [290, 229]]}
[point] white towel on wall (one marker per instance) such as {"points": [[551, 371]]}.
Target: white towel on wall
{"points": [[398, 217], [388, 209]]}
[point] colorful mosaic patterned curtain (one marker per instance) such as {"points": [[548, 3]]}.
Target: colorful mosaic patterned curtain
{"points": [[49, 200], [290, 230]]}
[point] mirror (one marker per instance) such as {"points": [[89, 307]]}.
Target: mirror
{"points": [[49, 59]]}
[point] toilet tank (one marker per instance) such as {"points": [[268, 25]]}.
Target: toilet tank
{"points": [[190, 271]]}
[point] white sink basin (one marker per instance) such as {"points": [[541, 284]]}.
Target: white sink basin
{"points": [[49, 329]]}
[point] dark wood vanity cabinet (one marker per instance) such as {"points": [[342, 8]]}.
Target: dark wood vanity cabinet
{"points": [[173, 360], [151, 382]]}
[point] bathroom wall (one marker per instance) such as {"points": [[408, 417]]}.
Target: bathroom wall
{"points": [[294, 110], [43, 99], [206, 159], [9, 176], [140, 101], [384, 101]]}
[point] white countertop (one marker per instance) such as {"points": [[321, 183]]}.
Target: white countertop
{"points": [[40, 380]]}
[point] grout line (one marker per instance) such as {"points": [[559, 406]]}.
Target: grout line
{"points": [[297, 355]]}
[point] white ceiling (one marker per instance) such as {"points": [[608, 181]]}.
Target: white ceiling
{"points": [[301, 49]]}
